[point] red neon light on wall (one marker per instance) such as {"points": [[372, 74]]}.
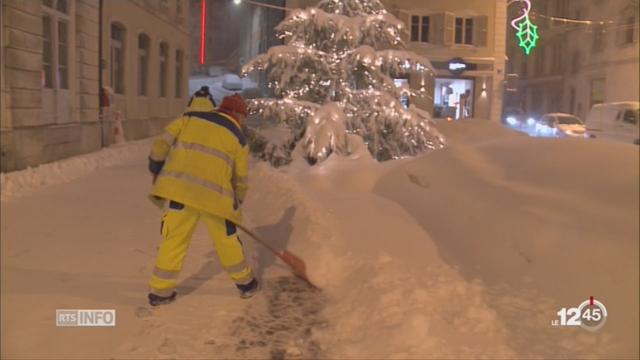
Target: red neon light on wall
{"points": [[203, 29]]}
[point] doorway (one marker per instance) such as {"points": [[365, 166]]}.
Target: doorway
{"points": [[453, 98]]}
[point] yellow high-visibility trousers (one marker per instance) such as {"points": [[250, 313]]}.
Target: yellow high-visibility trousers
{"points": [[178, 223]]}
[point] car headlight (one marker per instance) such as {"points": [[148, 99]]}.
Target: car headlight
{"points": [[531, 121], [511, 120]]}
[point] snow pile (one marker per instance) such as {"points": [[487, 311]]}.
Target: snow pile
{"points": [[389, 295], [468, 252], [19, 183], [542, 223]]}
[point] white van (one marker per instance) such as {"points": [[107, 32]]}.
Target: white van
{"points": [[618, 121]]}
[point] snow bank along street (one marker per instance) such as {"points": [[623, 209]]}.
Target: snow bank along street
{"points": [[469, 251]]}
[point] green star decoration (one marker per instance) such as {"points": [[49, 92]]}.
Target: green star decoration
{"points": [[527, 34]]}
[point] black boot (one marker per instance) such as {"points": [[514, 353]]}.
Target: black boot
{"points": [[248, 290], [155, 300]]}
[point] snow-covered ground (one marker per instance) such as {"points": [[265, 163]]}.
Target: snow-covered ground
{"points": [[466, 252]]}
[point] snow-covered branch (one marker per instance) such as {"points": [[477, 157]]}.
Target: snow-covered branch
{"points": [[335, 33], [326, 133], [295, 72], [352, 7], [389, 130], [336, 75]]}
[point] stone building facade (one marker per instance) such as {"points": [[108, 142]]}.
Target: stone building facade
{"points": [[50, 53], [591, 57], [466, 36], [146, 58]]}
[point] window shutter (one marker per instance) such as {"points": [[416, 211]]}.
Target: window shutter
{"points": [[406, 20], [436, 29], [480, 30], [449, 28]]}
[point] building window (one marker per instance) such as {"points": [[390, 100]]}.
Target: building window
{"points": [[179, 57], [464, 31], [572, 100], [143, 64], [597, 91], [629, 21], [415, 28], [562, 7], [63, 58], [164, 57], [59, 5], [420, 28], [598, 38], [118, 36], [629, 30], [424, 37], [540, 68], [557, 57], [55, 45], [576, 62], [631, 116], [47, 53]]}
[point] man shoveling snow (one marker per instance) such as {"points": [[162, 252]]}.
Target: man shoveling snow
{"points": [[200, 166]]}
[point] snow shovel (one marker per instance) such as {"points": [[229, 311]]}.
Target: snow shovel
{"points": [[295, 263]]}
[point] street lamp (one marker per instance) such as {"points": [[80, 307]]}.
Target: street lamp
{"points": [[237, 2]]}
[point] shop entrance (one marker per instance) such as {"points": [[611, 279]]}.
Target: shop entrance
{"points": [[453, 98]]}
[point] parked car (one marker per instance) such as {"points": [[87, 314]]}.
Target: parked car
{"points": [[515, 118], [560, 125], [617, 121]]}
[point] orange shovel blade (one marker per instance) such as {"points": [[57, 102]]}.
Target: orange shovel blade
{"points": [[297, 265]]}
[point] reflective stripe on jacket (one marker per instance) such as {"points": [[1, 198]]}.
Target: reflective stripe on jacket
{"points": [[201, 161]]}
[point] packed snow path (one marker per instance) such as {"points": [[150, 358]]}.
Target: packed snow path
{"points": [[90, 244]]}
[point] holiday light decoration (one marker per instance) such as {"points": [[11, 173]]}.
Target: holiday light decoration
{"points": [[527, 32], [527, 35], [334, 77]]}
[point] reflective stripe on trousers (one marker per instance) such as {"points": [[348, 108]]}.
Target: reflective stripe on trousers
{"points": [[177, 228]]}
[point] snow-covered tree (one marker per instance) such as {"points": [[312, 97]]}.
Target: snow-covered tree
{"points": [[335, 76]]}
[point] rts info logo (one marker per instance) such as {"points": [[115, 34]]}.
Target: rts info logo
{"points": [[67, 317]]}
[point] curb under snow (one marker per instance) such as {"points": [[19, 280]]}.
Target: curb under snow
{"points": [[23, 182]]}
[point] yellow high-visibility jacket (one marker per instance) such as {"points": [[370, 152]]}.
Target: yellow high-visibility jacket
{"points": [[201, 160]]}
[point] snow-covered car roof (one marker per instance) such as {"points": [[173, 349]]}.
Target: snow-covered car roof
{"points": [[560, 114], [625, 104]]}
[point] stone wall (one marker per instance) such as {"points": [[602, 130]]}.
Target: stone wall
{"points": [[42, 125]]}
